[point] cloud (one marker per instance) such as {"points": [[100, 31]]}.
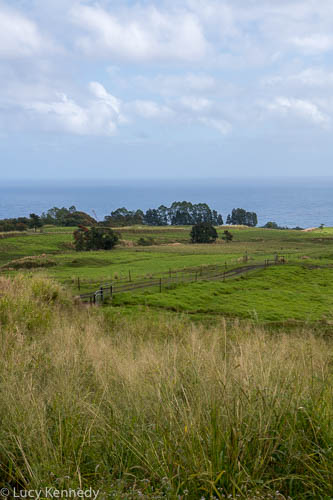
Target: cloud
{"points": [[19, 37], [222, 126], [309, 77], [140, 34], [299, 108], [96, 117], [196, 104], [173, 85], [316, 43], [149, 109]]}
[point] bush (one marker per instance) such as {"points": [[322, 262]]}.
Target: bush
{"points": [[227, 236], [146, 242], [96, 238], [203, 233]]}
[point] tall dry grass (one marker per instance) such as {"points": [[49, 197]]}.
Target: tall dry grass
{"points": [[159, 408]]}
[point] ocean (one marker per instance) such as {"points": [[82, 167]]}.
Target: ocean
{"points": [[305, 202]]}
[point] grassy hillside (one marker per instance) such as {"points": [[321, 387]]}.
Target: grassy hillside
{"points": [[158, 407], [301, 291], [282, 293]]}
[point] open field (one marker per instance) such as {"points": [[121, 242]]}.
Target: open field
{"points": [[279, 294], [156, 407], [300, 291], [210, 389]]}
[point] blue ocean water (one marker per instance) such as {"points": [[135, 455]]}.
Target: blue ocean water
{"points": [[305, 202]]}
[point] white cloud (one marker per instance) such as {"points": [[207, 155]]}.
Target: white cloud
{"points": [[173, 85], [140, 34], [19, 37], [314, 43], [196, 104], [300, 108], [95, 117], [309, 77], [149, 109], [222, 126]]}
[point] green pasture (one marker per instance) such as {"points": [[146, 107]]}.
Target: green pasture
{"points": [[297, 291], [279, 293]]}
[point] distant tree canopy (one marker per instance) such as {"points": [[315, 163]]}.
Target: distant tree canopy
{"points": [[35, 221], [67, 217], [20, 223], [95, 238], [271, 225], [124, 217], [180, 213], [239, 216], [203, 232]]}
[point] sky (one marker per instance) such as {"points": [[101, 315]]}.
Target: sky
{"points": [[187, 89]]}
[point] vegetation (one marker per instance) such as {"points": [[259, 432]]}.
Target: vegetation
{"points": [[196, 391], [67, 217], [95, 238], [203, 233], [180, 213], [157, 407], [239, 216], [227, 236]]}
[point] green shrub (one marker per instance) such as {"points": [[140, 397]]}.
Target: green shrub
{"points": [[95, 238]]}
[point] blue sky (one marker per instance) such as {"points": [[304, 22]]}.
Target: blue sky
{"points": [[165, 89]]}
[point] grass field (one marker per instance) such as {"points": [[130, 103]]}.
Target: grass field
{"points": [[157, 407], [300, 291], [282, 293], [206, 390]]}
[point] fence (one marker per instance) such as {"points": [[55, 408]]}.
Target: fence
{"points": [[209, 273]]}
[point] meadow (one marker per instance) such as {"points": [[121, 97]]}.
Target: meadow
{"points": [[300, 291], [157, 406], [206, 390]]}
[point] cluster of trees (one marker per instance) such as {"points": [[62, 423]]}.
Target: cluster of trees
{"points": [[67, 217], [95, 238], [180, 213], [274, 225], [239, 216], [20, 223], [204, 232]]}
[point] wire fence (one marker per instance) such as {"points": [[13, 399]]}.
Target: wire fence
{"points": [[174, 278]]}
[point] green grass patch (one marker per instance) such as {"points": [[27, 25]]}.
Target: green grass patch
{"points": [[281, 293]]}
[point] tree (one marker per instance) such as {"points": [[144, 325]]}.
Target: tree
{"points": [[203, 233], [271, 225], [241, 217], [227, 236], [123, 217], [96, 238], [35, 221]]}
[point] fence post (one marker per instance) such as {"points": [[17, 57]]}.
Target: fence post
{"points": [[160, 285], [94, 298], [102, 297], [111, 291], [129, 276]]}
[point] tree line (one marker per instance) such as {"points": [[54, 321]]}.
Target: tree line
{"points": [[180, 213]]}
